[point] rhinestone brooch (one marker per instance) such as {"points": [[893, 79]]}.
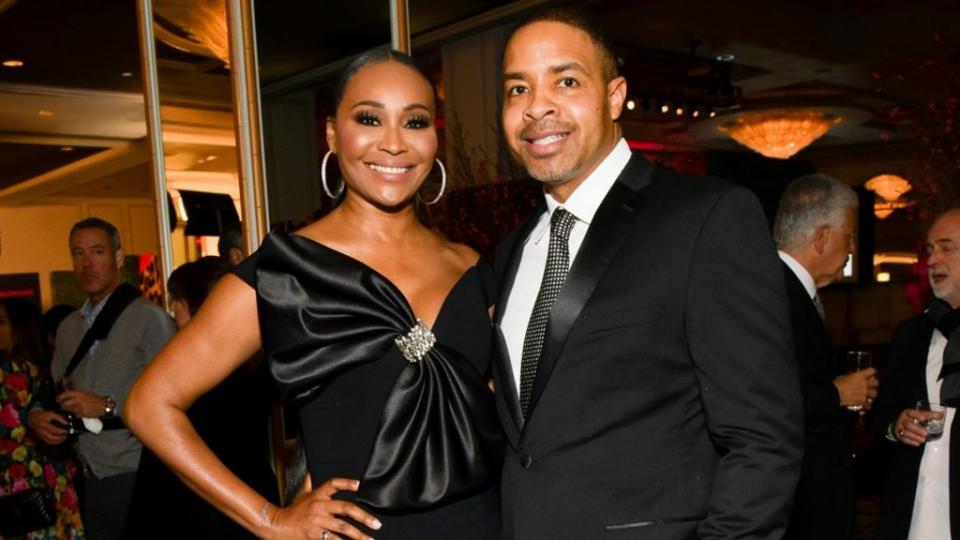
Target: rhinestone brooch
{"points": [[418, 341]]}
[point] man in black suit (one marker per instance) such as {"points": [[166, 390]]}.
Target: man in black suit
{"points": [[922, 499], [645, 379], [814, 230]]}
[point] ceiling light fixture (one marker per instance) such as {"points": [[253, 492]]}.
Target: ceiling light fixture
{"points": [[13, 63], [779, 134], [631, 104], [889, 187]]}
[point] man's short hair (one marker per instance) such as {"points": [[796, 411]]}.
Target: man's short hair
{"points": [[231, 237], [588, 24], [97, 223], [810, 202]]}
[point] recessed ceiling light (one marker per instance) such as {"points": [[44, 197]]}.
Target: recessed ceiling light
{"points": [[631, 104], [66, 148], [726, 57], [45, 112], [13, 63], [127, 74]]}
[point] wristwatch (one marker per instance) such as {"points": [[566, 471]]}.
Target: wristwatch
{"points": [[109, 406]]}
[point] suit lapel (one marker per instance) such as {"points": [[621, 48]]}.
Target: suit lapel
{"points": [[614, 219], [507, 396]]}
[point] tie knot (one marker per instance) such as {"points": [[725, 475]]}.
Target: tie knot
{"points": [[561, 223]]}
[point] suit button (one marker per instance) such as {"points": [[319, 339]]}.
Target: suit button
{"points": [[526, 461]]}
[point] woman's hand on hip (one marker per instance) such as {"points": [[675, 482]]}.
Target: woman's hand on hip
{"points": [[317, 516]]}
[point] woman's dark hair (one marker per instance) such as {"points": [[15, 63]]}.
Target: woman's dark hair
{"points": [[26, 340], [193, 281], [51, 320], [382, 54]]}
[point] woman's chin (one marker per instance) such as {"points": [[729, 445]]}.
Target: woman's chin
{"points": [[390, 202]]}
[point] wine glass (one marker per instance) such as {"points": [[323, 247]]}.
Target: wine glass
{"points": [[67, 384], [858, 361]]}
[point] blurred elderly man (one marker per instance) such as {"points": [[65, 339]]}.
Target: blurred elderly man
{"points": [[814, 230], [922, 497]]}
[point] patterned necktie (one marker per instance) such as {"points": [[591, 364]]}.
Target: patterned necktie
{"points": [[555, 272], [819, 306]]}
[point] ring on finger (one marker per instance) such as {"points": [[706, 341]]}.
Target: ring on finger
{"points": [[325, 535]]}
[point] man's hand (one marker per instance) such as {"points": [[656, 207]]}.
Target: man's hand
{"points": [[44, 424], [82, 404], [857, 389], [908, 428]]}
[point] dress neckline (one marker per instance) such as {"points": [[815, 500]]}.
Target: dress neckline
{"points": [[366, 267]]}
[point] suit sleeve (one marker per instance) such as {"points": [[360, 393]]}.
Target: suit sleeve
{"points": [[821, 399], [738, 329]]}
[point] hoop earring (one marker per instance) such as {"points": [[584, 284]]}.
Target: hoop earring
{"points": [[443, 185], [323, 177]]}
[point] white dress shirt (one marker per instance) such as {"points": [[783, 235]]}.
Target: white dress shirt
{"points": [[802, 274], [583, 204], [931, 507]]}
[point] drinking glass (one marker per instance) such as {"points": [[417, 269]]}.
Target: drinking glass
{"points": [[72, 421], [934, 426], [858, 361]]}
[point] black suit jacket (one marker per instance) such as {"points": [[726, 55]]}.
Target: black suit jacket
{"points": [[904, 383], [823, 508], [666, 404]]}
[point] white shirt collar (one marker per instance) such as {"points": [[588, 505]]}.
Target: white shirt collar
{"points": [[802, 274], [585, 200]]}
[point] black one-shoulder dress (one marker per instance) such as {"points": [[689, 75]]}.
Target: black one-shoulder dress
{"points": [[378, 399]]}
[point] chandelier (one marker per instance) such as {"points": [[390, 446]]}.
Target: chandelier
{"points": [[779, 134], [194, 26], [889, 187]]}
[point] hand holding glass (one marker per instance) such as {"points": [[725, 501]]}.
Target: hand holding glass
{"points": [[933, 425]]}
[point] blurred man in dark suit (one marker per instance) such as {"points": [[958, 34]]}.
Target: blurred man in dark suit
{"points": [[814, 230]]}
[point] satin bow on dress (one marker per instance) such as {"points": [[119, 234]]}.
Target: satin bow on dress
{"points": [[322, 313]]}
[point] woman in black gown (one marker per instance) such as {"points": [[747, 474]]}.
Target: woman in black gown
{"points": [[376, 328]]}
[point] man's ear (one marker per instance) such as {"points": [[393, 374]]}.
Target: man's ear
{"points": [[616, 96], [331, 134], [120, 257], [821, 237]]}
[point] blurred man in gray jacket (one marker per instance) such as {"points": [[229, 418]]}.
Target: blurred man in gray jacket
{"points": [[100, 350]]}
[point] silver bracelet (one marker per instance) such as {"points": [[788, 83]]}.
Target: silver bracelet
{"points": [[263, 513]]}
